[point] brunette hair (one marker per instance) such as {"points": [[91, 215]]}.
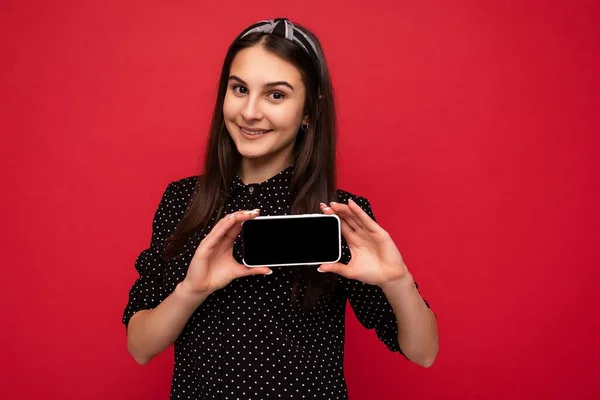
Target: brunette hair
{"points": [[314, 158]]}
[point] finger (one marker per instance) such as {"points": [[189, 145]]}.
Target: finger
{"points": [[256, 271], [349, 234], [336, 268], [230, 235], [347, 231], [233, 231], [365, 218], [324, 207], [343, 211], [223, 226]]}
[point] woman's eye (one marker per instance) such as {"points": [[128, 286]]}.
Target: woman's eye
{"points": [[239, 89], [277, 95]]}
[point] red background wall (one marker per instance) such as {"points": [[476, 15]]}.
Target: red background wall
{"points": [[472, 127]]}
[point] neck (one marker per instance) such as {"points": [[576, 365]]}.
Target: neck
{"points": [[258, 170]]}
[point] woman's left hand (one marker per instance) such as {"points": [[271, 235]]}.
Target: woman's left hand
{"points": [[375, 258]]}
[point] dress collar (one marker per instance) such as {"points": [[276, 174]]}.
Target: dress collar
{"points": [[279, 182]]}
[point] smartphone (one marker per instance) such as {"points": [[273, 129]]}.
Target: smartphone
{"points": [[286, 240]]}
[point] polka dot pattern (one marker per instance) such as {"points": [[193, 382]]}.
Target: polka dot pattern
{"points": [[248, 340]]}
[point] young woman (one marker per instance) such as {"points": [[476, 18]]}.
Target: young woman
{"points": [[262, 333]]}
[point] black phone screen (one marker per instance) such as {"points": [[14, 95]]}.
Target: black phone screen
{"points": [[291, 240]]}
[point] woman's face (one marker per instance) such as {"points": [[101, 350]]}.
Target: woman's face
{"points": [[264, 105]]}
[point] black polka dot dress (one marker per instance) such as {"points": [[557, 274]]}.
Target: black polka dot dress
{"points": [[247, 340]]}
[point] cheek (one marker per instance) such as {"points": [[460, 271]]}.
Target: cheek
{"points": [[229, 107], [286, 117]]}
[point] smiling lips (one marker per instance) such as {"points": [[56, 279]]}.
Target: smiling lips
{"points": [[254, 132]]}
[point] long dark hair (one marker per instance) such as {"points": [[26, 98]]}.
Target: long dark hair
{"points": [[314, 171]]}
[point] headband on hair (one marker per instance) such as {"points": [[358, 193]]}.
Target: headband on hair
{"points": [[284, 28]]}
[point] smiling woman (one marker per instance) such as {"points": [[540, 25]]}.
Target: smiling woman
{"points": [[261, 115], [241, 89], [271, 150]]}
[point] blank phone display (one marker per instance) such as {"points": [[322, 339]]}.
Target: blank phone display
{"points": [[278, 241]]}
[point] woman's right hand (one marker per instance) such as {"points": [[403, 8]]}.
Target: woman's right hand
{"points": [[213, 265]]}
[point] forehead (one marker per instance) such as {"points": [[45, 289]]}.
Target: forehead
{"points": [[257, 66]]}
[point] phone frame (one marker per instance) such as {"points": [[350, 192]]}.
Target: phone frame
{"points": [[339, 226]]}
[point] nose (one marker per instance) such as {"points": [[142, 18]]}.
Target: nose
{"points": [[251, 110]]}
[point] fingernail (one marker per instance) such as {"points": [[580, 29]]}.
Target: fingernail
{"points": [[323, 204], [231, 216], [270, 272], [333, 202], [327, 208], [319, 269], [351, 201]]}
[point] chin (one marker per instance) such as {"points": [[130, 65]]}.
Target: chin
{"points": [[251, 153], [252, 156]]}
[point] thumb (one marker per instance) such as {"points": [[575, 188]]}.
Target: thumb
{"points": [[337, 268]]}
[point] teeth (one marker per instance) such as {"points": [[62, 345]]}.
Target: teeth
{"points": [[253, 132]]}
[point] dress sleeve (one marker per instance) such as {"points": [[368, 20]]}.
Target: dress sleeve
{"points": [[148, 291], [371, 307]]}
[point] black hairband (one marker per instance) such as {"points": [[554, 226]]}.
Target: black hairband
{"points": [[284, 28]]}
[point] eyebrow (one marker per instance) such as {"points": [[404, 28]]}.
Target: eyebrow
{"points": [[270, 84]]}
